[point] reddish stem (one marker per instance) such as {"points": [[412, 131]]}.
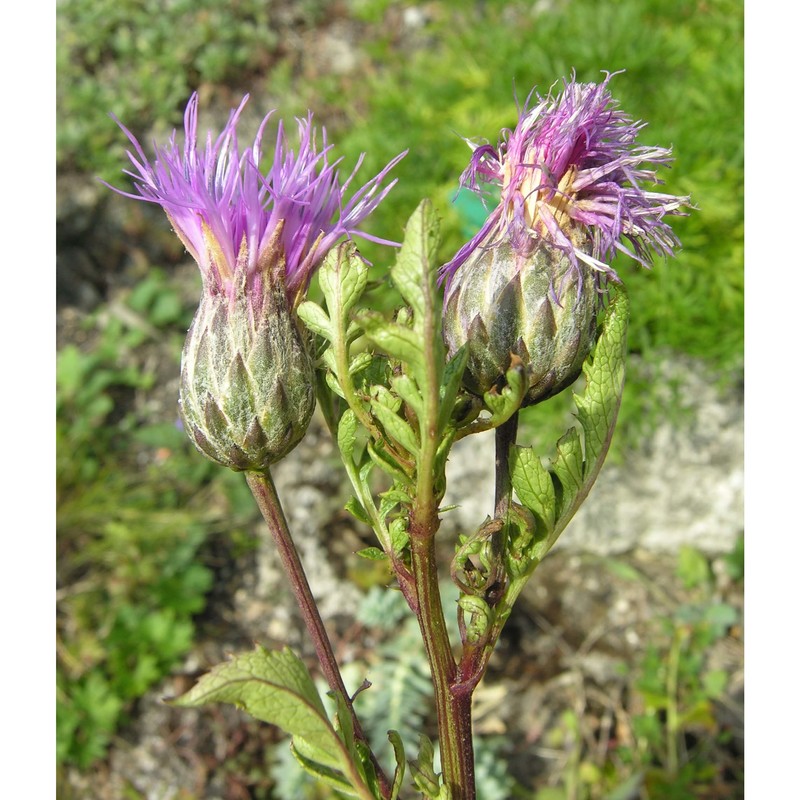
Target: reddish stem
{"points": [[263, 489]]}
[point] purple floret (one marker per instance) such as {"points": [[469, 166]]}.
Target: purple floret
{"points": [[572, 166], [226, 212]]}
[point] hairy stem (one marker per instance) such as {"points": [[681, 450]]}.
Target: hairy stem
{"points": [[263, 489]]}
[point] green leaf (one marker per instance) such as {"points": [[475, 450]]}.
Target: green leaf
{"points": [[425, 778], [384, 460], [396, 428], [597, 413], [533, 485], [316, 319], [354, 506], [372, 554], [333, 384], [361, 362], [343, 723], [398, 534], [322, 773], [273, 687], [567, 467], [408, 391], [329, 359], [507, 402], [400, 758], [395, 340], [346, 434], [605, 377], [343, 278], [414, 274], [451, 383]]}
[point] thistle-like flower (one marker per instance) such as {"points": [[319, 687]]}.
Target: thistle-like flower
{"points": [[247, 380], [530, 282]]}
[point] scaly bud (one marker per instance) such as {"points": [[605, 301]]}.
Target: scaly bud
{"points": [[247, 380], [502, 308]]}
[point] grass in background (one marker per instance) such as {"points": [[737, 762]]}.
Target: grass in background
{"points": [[683, 74], [456, 76], [136, 508]]}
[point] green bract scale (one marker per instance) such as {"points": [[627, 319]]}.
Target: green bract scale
{"points": [[536, 308], [247, 381]]}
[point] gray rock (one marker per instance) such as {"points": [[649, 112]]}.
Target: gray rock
{"points": [[684, 486]]}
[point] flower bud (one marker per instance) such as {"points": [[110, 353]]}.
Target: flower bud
{"points": [[538, 308], [247, 382]]}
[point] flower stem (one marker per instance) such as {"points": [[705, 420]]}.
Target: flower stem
{"points": [[453, 699], [265, 494], [505, 437]]}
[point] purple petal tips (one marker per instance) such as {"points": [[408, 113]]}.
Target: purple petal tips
{"points": [[571, 166], [228, 214]]}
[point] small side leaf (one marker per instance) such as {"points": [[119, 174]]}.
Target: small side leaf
{"points": [[395, 340], [414, 274], [533, 485], [346, 434], [451, 383], [343, 277], [396, 428], [408, 391], [425, 778], [315, 318], [400, 758], [354, 506], [372, 554], [502, 405], [567, 467], [378, 454], [361, 362]]}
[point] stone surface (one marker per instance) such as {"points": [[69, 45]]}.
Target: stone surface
{"points": [[684, 485]]}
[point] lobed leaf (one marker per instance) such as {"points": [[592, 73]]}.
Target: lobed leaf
{"points": [[396, 428], [395, 340], [533, 485], [343, 277], [316, 319], [414, 274]]}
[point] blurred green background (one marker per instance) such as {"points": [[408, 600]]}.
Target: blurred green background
{"points": [[139, 512]]}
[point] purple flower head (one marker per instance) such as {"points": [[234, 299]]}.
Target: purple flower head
{"points": [[569, 174], [244, 227]]}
